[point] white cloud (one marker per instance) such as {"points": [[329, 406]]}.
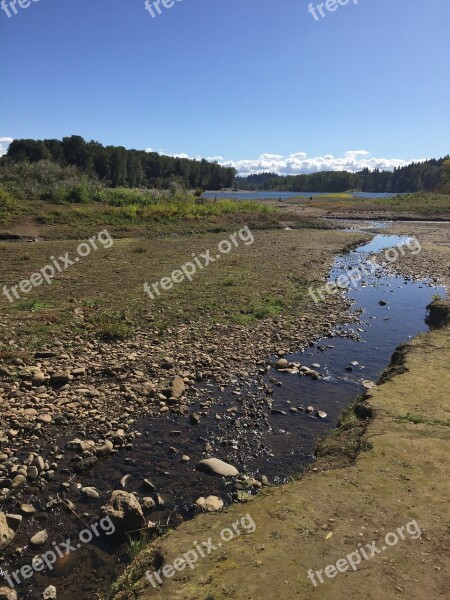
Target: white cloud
{"points": [[299, 163], [4, 143], [177, 155], [355, 153]]}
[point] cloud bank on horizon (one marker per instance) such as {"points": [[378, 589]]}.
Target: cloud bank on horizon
{"points": [[294, 164], [299, 163]]}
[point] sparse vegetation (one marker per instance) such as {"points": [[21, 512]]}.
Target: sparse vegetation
{"points": [[135, 544], [420, 420], [112, 326]]}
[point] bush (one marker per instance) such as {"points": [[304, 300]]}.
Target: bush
{"points": [[79, 194], [9, 206], [47, 180], [6, 199]]}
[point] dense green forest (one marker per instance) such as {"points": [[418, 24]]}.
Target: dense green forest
{"points": [[115, 166], [428, 175], [119, 167]]}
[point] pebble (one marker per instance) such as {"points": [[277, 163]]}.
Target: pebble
{"points": [[49, 593], [7, 593], [216, 466], [27, 509], [210, 504], [368, 384], [148, 503], [45, 418], [39, 538], [32, 473], [90, 492]]}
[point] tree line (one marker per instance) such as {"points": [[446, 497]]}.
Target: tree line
{"points": [[427, 175], [118, 167]]}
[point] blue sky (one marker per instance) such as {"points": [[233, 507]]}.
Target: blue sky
{"points": [[259, 83]]}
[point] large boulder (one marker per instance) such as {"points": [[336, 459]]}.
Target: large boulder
{"points": [[174, 388], [217, 467], [125, 512]]}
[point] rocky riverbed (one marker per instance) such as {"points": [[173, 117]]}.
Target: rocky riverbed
{"points": [[84, 419], [79, 414]]}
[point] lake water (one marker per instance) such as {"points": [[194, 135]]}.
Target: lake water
{"points": [[244, 195]]}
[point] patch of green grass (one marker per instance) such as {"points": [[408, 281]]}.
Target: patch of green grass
{"points": [[164, 217], [241, 319], [419, 420], [33, 305], [135, 545], [336, 196], [266, 307], [416, 419], [113, 326], [90, 303], [151, 207]]}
